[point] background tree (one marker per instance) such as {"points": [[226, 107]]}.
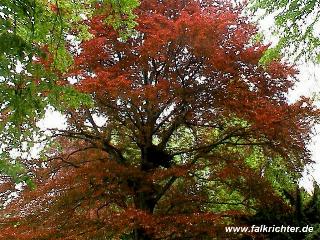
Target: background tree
{"points": [[303, 210], [29, 30], [194, 130], [296, 25]]}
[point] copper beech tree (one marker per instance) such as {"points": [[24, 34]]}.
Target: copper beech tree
{"points": [[195, 133]]}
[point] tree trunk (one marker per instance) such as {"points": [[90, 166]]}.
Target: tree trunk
{"points": [[144, 200], [145, 192], [139, 234]]}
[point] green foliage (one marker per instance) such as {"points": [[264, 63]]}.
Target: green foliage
{"points": [[68, 97], [123, 8], [37, 29], [273, 53], [13, 170], [315, 234], [296, 25]]}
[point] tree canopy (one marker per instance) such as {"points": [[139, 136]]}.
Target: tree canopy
{"points": [[194, 133]]}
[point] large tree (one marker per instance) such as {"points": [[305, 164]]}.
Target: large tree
{"points": [[192, 132]]}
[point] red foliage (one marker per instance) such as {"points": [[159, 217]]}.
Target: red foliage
{"points": [[185, 103]]}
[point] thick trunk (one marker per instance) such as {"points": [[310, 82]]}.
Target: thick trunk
{"points": [[145, 201], [140, 234], [145, 197]]}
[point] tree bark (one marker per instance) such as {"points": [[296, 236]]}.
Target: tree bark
{"points": [[146, 191]]}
